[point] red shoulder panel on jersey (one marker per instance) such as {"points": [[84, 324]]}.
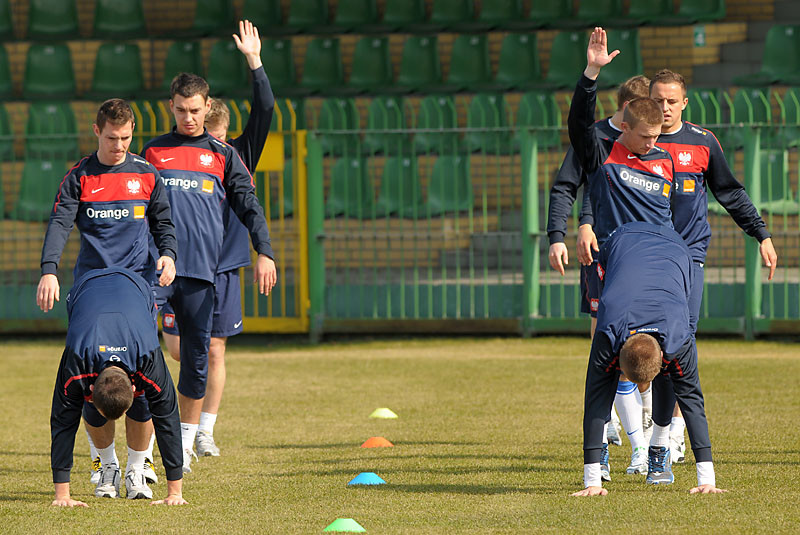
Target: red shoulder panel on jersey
{"points": [[187, 158], [657, 166], [108, 187], [77, 378], [688, 158]]}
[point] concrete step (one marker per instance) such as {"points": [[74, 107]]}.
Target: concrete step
{"points": [[757, 31], [743, 52], [787, 11], [721, 74]]}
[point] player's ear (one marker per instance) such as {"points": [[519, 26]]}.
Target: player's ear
{"points": [[96, 130]]}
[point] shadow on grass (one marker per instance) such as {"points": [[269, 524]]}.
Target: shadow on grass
{"points": [[25, 453], [356, 445], [468, 489], [29, 496], [446, 470]]}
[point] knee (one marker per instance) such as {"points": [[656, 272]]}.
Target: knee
{"points": [[216, 351]]}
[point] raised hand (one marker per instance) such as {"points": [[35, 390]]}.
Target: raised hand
{"points": [[597, 55], [249, 43]]}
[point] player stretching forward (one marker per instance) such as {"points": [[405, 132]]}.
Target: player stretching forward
{"points": [[111, 364], [643, 329], [235, 248], [200, 173]]}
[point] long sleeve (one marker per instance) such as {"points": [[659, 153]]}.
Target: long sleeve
{"points": [[65, 418], [601, 387], [251, 143], [562, 196], [160, 393], [62, 219], [580, 124], [242, 198], [690, 399], [159, 216]]}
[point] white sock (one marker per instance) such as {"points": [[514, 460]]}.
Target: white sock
{"points": [[647, 400], [108, 456], [207, 421], [92, 450], [677, 426], [605, 434], [188, 432], [660, 438], [629, 407], [148, 453], [135, 460]]}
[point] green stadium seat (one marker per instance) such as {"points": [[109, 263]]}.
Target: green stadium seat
{"points": [[788, 133], [239, 113], [550, 12], [228, 73], [351, 191], [518, 66], [629, 61], [781, 62], [404, 14], [436, 113], [598, 13], [352, 14], [38, 188], [264, 14], [340, 115], [304, 15], [567, 59], [119, 20], [6, 85], [694, 11], [776, 193], [488, 111], [323, 65], [6, 23], [282, 117], [648, 11], [276, 55], [214, 17], [539, 109], [420, 68], [150, 122], [447, 14], [48, 72], [450, 187], [501, 13], [469, 63], [51, 132], [6, 142], [385, 113], [749, 106], [117, 71], [401, 192], [182, 56], [288, 194], [2, 200], [52, 19], [372, 66], [704, 107]]}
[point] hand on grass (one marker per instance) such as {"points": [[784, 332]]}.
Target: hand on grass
{"points": [[591, 491], [706, 489]]}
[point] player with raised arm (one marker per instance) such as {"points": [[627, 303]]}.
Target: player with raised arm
{"points": [[235, 253], [112, 364]]}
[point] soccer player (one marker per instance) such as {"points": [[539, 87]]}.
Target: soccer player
{"points": [[227, 316], [643, 330], [201, 173], [111, 364], [117, 201]]}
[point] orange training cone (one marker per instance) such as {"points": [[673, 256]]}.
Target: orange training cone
{"points": [[377, 442]]}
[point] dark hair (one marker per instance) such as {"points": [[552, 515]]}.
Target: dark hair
{"points": [[640, 358], [644, 110], [188, 85], [115, 111], [666, 76], [112, 394], [634, 87]]}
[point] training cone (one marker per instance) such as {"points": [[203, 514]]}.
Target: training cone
{"points": [[377, 442], [384, 413], [367, 478], [345, 525]]}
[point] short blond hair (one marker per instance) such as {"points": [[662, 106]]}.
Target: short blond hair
{"points": [[634, 87], [218, 115], [643, 110], [640, 358]]}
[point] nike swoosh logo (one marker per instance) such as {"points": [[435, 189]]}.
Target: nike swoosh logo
{"points": [[166, 159], [630, 157], [98, 189], [236, 325]]}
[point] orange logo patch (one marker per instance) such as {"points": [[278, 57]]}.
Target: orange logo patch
{"points": [[138, 212], [208, 186], [688, 186], [102, 349], [665, 192]]}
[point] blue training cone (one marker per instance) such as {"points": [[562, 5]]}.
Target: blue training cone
{"points": [[367, 478]]}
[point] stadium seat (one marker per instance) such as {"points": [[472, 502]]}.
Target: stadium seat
{"points": [[119, 20], [305, 15], [6, 26], [788, 133], [355, 14], [52, 19], [323, 65], [340, 115], [213, 17], [550, 12], [48, 72], [372, 66], [598, 13], [538, 109], [648, 11], [404, 14], [6, 142], [150, 122], [351, 191], [451, 14], [704, 106], [264, 14], [182, 56], [627, 64], [518, 66], [400, 192], [469, 63], [420, 68], [276, 55], [288, 194], [567, 59], [776, 193], [436, 113], [487, 111], [501, 13], [749, 106], [228, 73], [385, 113], [282, 117], [694, 11], [781, 60], [38, 188], [117, 71], [51, 132], [6, 85], [450, 187]]}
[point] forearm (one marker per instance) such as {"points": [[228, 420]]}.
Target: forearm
{"points": [[62, 491], [175, 487], [580, 123]]}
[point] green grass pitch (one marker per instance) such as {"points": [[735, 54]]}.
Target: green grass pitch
{"points": [[488, 440]]}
